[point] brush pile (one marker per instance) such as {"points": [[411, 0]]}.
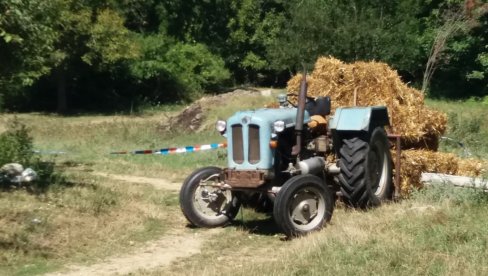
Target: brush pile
{"points": [[374, 83]]}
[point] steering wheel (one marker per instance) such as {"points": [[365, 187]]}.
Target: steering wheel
{"points": [[295, 95]]}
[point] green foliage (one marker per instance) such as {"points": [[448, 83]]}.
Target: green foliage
{"points": [[27, 41], [195, 66], [192, 67], [16, 144], [352, 30], [148, 50], [109, 41]]}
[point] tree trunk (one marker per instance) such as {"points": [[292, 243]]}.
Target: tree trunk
{"points": [[456, 180], [62, 106]]}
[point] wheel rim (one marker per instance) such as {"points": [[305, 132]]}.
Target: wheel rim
{"points": [[211, 202], [307, 209], [378, 171]]}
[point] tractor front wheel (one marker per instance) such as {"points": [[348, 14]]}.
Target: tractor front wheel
{"points": [[303, 204], [204, 204]]}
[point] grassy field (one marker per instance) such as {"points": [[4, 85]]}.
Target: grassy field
{"points": [[467, 124], [83, 216]]}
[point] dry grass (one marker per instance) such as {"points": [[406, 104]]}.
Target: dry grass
{"points": [[436, 232], [89, 220]]}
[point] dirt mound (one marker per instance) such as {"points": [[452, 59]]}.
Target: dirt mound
{"points": [[193, 116]]}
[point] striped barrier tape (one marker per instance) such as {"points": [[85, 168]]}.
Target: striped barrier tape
{"points": [[168, 151]]}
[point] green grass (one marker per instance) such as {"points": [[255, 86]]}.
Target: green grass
{"points": [[468, 124]]}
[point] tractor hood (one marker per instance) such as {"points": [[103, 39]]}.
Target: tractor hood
{"points": [[267, 116], [249, 133]]}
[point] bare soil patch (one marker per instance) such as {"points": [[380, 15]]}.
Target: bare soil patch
{"points": [[193, 116], [180, 243], [157, 183]]}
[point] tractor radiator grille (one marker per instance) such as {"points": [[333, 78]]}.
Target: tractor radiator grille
{"points": [[237, 146], [254, 151]]}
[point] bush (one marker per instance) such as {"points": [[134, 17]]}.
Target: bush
{"points": [[16, 144], [179, 69], [16, 147]]}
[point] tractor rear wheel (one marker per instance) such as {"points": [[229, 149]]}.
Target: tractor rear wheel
{"points": [[366, 170], [303, 204], [205, 205]]}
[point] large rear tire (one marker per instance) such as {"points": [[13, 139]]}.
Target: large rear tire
{"points": [[303, 204], [366, 170], [205, 205]]}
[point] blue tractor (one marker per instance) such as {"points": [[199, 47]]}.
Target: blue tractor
{"points": [[277, 162]]}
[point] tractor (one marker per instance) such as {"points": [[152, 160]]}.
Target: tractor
{"points": [[278, 161]]}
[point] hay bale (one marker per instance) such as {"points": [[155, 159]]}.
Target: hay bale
{"points": [[416, 162], [375, 83]]}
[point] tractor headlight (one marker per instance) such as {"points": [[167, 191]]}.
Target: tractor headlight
{"points": [[221, 126], [278, 126]]}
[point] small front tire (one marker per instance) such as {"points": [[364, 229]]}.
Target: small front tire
{"points": [[303, 204], [205, 205]]}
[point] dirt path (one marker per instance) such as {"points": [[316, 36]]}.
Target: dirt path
{"points": [[154, 254], [157, 183]]}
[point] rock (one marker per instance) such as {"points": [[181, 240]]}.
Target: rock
{"points": [[12, 169], [29, 175], [15, 173]]}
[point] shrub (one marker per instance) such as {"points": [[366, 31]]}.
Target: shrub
{"points": [[16, 144]]}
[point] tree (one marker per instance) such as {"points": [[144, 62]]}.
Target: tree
{"points": [[186, 68], [27, 42], [94, 34], [454, 19], [456, 32], [350, 30]]}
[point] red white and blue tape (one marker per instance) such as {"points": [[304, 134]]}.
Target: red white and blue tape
{"points": [[168, 151]]}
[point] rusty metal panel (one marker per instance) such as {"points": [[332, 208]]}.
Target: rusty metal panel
{"points": [[244, 179]]}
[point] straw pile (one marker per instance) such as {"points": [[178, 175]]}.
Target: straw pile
{"points": [[415, 162], [373, 83]]}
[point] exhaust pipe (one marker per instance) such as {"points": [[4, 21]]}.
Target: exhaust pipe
{"points": [[302, 98]]}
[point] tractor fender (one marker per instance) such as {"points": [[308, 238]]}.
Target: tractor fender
{"points": [[359, 119], [356, 122]]}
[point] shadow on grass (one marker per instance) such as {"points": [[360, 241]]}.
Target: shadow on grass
{"points": [[265, 227]]}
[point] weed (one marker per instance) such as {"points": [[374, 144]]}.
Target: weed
{"points": [[444, 193], [16, 144], [467, 125]]}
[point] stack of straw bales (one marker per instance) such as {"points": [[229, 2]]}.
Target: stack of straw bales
{"points": [[374, 83]]}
